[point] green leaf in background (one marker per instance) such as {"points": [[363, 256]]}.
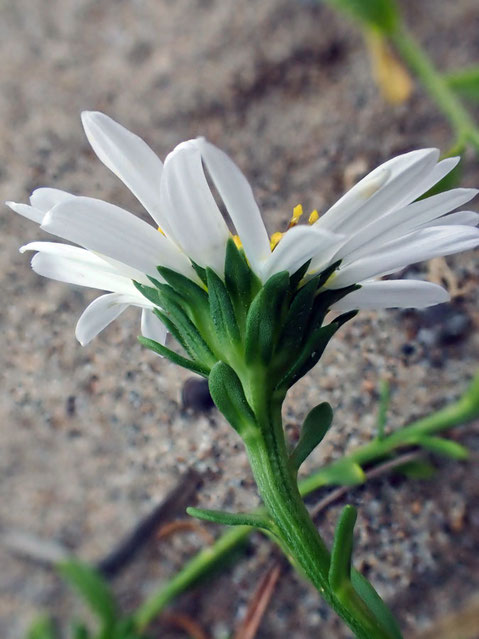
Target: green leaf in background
{"points": [[465, 82], [231, 519], [93, 588], [42, 628], [444, 447], [417, 469], [344, 473], [382, 14]]}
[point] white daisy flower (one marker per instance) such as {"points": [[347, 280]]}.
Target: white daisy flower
{"points": [[377, 228]]}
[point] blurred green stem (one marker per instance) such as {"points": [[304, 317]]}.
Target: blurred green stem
{"points": [[437, 85], [463, 410]]}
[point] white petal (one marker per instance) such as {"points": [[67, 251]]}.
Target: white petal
{"points": [[46, 198], [98, 315], [393, 294], [152, 327], [112, 231], [415, 247], [439, 171], [69, 251], [30, 212], [461, 218], [128, 157], [296, 247], [400, 222], [192, 218], [238, 198], [391, 185], [81, 272]]}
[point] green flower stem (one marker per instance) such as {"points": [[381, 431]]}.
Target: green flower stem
{"points": [[297, 533], [463, 410], [437, 86]]}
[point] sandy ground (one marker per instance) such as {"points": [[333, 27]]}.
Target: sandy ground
{"points": [[93, 438]]}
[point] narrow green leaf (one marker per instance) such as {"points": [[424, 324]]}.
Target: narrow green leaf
{"points": [[375, 604], [444, 447], [188, 289], [227, 393], [158, 348], [221, 309], [191, 339], [149, 292], [384, 399], [382, 14], [295, 278], [297, 319], [265, 318], [42, 628], [315, 427], [341, 554], [231, 519], [92, 587], [417, 469], [241, 283], [344, 473], [465, 82]]}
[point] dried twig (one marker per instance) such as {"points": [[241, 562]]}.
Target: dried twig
{"points": [[259, 603]]}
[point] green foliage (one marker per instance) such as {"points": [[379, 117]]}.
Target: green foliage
{"points": [[93, 588], [375, 604], [315, 427], [241, 283], [232, 519], [42, 628], [341, 554], [163, 351], [381, 14], [221, 311], [443, 447], [417, 469], [264, 318], [465, 82], [228, 395], [344, 472]]}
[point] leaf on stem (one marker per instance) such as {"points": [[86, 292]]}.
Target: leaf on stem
{"points": [[227, 393], [382, 14], [344, 472], [232, 519], [375, 604], [315, 427], [341, 554], [465, 82]]}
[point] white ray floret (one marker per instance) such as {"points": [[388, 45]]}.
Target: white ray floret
{"points": [[375, 229]]}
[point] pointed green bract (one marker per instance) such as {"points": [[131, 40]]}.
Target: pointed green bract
{"points": [[158, 348], [231, 519], [227, 393], [315, 427], [241, 283], [444, 447], [188, 289], [296, 278], [264, 319], [297, 319], [221, 311], [149, 292], [341, 554]]}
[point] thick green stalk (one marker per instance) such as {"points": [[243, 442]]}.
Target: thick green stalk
{"points": [[464, 409], [297, 533], [436, 84]]}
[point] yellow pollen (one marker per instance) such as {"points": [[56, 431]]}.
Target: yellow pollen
{"points": [[313, 217], [161, 230], [275, 238], [237, 241], [297, 213]]}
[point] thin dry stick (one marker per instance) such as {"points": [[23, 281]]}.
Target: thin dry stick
{"points": [[189, 625], [259, 603]]}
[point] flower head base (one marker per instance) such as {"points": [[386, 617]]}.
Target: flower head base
{"points": [[377, 228]]}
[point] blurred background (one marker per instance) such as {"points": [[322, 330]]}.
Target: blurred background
{"points": [[93, 438]]}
